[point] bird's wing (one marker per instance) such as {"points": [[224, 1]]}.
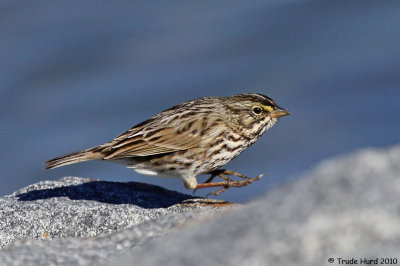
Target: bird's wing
{"points": [[147, 141]]}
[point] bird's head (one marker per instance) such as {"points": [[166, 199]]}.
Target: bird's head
{"points": [[253, 113]]}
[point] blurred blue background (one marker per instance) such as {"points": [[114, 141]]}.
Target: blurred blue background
{"points": [[75, 74]]}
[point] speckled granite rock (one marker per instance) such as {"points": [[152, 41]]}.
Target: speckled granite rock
{"points": [[82, 208]]}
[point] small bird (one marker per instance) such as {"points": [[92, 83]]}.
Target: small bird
{"points": [[189, 139]]}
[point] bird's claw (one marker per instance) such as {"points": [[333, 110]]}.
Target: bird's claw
{"points": [[228, 181]]}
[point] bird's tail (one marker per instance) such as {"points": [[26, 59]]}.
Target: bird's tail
{"points": [[76, 157]]}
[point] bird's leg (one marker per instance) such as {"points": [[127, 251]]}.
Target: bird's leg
{"points": [[211, 178], [228, 172], [227, 183]]}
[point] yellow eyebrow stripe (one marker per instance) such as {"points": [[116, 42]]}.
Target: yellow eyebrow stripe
{"points": [[267, 108]]}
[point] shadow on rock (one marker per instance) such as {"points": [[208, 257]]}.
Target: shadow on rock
{"points": [[140, 194]]}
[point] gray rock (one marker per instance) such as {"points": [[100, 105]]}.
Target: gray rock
{"points": [[347, 208], [81, 212], [100, 249]]}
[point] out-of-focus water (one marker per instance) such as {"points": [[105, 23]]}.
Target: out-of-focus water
{"points": [[75, 74]]}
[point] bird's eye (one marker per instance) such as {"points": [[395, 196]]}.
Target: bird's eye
{"points": [[257, 110]]}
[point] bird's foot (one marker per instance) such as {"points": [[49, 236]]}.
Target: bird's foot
{"points": [[228, 183]]}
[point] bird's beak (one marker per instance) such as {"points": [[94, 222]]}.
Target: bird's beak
{"points": [[279, 112]]}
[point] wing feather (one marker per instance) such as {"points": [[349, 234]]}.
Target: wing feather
{"points": [[147, 142]]}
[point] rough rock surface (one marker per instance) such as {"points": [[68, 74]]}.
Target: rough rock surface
{"points": [[347, 208], [81, 212]]}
